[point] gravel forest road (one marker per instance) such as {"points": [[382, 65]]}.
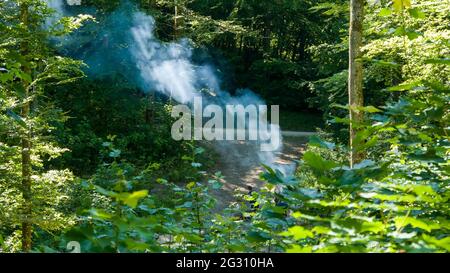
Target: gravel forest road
{"points": [[241, 167]]}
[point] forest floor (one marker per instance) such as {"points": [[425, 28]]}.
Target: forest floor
{"points": [[241, 167]]}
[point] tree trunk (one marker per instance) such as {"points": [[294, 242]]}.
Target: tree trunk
{"points": [[26, 145], [175, 22], [355, 80]]}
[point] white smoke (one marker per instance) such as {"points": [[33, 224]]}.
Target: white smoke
{"points": [[167, 68], [73, 2], [58, 7]]}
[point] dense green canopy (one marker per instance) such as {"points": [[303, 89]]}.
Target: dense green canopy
{"points": [[86, 152]]}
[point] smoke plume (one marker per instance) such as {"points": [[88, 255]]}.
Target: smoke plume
{"points": [[125, 40]]}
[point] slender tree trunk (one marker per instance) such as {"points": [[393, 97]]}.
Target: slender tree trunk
{"points": [[299, 55], [355, 80], [175, 21], [266, 38], [241, 44], [26, 145]]}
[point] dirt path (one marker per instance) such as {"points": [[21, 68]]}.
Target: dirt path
{"points": [[241, 166]]}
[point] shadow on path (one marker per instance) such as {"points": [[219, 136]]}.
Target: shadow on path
{"points": [[241, 167]]}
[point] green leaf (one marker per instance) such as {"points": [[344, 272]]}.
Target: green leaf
{"points": [[199, 150], [417, 13], [132, 199], [385, 12], [403, 87], [6, 77], [298, 232], [321, 230], [100, 214], [407, 3], [26, 77], [413, 34], [299, 249], [216, 185], [115, 153], [401, 222], [445, 61], [105, 192], [399, 5], [373, 227], [258, 236], [316, 162], [191, 185], [429, 156], [318, 142], [276, 177], [20, 90], [186, 205], [364, 164], [136, 245], [400, 31], [371, 109], [305, 194], [442, 243], [193, 238], [106, 144]]}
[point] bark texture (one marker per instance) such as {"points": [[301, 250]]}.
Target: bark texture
{"points": [[355, 81], [26, 144]]}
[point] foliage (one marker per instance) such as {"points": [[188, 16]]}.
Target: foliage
{"points": [[49, 187], [136, 212], [106, 173], [398, 45]]}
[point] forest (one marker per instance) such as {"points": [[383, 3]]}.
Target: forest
{"points": [[357, 93]]}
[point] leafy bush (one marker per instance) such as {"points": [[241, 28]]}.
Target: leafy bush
{"points": [[395, 201]]}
